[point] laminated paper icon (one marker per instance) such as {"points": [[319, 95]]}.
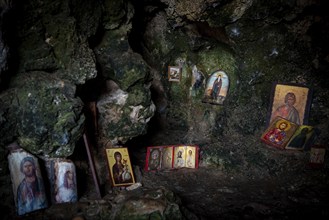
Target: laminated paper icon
{"points": [[216, 88], [62, 178], [317, 156], [27, 182], [285, 134], [171, 157], [174, 73]]}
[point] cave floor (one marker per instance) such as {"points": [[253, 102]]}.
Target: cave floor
{"points": [[213, 193]]}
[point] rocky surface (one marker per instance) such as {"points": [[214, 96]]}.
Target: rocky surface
{"points": [[209, 192], [112, 51], [45, 116]]}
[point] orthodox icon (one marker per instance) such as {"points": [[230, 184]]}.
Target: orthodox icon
{"points": [[317, 156], [171, 157], [27, 182], [120, 166], [174, 73], [216, 88], [290, 101], [197, 84], [155, 158], [62, 178], [303, 138], [167, 158], [279, 132]]}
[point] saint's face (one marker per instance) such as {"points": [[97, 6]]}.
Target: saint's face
{"points": [[118, 157], [282, 126], [28, 169], [291, 100], [155, 154], [69, 175]]}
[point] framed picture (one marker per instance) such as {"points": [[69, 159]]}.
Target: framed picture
{"points": [[174, 73], [185, 156], [303, 138], [171, 157], [120, 166], [179, 157], [279, 133], [154, 158], [216, 88], [317, 156], [290, 101], [167, 157]]}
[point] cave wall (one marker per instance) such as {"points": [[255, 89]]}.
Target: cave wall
{"points": [[59, 56]]}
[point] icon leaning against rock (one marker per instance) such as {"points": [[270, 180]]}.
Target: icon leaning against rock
{"points": [[27, 182]]}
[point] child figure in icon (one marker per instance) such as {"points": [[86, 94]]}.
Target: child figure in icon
{"points": [[126, 175]]}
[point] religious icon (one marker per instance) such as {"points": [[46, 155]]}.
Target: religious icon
{"points": [[279, 132], [167, 157], [155, 159], [172, 157], [197, 85], [216, 88], [62, 177], [290, 101], [317, 156], [191, 157], [174, 73], [27, 182], [120, 166], [179, 157], [303, 138]]}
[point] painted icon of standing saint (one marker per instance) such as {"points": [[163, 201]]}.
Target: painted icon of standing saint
{"points": [[216, 88]]}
